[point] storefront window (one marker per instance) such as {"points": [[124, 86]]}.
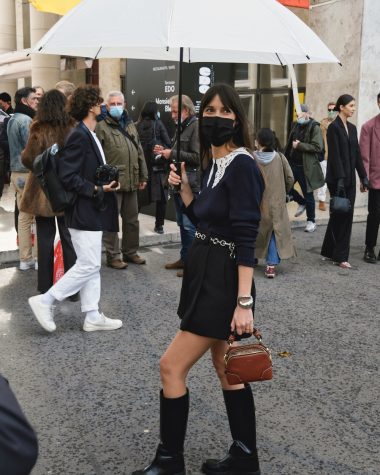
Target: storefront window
{"points": [[267, 96], [274, 114], [273, 77]]}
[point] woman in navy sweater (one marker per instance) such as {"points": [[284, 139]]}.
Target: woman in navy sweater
{"points": [[217, 296]]}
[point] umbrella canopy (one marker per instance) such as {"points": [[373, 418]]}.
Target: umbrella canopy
{"points": [[54, 6], [242, 31]]}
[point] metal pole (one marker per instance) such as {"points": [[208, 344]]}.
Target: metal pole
{"points": [[179, 105]]}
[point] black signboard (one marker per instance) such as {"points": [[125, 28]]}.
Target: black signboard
{"points": [[158, 81]]}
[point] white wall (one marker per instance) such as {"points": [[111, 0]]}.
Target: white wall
{"points": [[369, 86]]}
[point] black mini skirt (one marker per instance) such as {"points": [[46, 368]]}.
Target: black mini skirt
{"points": [[209, 290]]}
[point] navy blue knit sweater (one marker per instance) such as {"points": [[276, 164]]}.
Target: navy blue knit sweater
{"points": [[228, 206]]}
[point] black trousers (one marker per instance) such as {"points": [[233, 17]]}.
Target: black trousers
{"points": [[336, 244], [373, 219], [161, 210], [46, 229]]}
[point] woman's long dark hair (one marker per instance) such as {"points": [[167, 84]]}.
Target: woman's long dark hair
{"points": [[343, 100], [149, 111], [52, 110], [230, 99], [266, 139]]}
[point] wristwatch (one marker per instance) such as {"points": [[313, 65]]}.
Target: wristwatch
{"points": [[245, 301]]}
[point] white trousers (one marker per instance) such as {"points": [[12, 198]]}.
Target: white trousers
{"points": [[322, 191], [84, 276]]}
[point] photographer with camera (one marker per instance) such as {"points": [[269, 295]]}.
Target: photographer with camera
{"points": [[121, 144], [81, 164]]}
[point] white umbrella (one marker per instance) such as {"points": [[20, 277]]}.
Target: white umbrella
{"points": [[238, 31]]}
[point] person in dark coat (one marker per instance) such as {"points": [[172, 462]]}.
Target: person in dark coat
{"points": [[152, 132], [18, 441], [94, 211], [344, 159], [217, 296], [304, 144], [189, 153]]}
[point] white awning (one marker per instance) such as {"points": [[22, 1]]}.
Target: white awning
{"points": [[15, 65]]}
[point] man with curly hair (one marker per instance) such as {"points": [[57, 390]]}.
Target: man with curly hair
{"points": [[94, 211]]}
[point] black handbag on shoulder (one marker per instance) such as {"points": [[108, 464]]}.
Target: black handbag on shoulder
{"points": [[46, 171], [340, 204]]}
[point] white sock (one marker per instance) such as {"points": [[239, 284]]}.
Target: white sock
{"points": [[47, 298], [93, 316]]}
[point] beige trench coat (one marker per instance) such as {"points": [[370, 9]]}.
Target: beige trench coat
{"points": [[279, 180]]}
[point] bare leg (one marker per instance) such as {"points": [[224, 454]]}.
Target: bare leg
{"points": [[183, 352]]}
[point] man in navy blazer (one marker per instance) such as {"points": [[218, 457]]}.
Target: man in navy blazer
{"points": [[94, 211]]}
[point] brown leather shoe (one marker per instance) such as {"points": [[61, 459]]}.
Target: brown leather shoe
{"points": [[175, 265], [117, 264], [180, 273], [322, 206], [136, 259]]}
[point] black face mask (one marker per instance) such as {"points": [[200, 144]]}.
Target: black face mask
{"points": [[218, 130]]}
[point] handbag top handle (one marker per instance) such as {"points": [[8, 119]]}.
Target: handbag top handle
{"points": [[256, 333]]}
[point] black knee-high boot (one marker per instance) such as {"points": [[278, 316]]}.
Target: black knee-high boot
{"points": [[173, 421], [242, 457]]}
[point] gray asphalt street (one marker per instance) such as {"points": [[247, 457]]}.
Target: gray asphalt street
{"points": [[93, 398]]}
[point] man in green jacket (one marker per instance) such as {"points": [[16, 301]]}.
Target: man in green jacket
{"points": [[304, 145], [122, 148]]}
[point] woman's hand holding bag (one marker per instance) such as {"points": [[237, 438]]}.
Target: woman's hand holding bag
{"points": [[340, 204]]}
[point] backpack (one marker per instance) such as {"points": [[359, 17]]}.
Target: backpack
{"points": [[46, 171]]}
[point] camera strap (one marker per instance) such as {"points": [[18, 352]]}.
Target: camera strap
{"points": [[129, 137]]}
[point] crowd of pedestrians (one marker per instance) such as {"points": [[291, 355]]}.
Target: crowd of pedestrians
{"points": [[231, 210]]}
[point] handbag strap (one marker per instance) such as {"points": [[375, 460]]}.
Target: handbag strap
{"points": [[256, 333]]}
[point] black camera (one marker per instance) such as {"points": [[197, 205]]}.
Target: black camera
{"points": [[105, 174]]}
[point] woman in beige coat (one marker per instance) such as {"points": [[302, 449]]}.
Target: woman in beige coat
{"points": [[274, 241]]}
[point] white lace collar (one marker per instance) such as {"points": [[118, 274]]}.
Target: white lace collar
{"points": [[222, 164]]}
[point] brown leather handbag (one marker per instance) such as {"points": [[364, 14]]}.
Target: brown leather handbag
{"points": [[248, 363]]}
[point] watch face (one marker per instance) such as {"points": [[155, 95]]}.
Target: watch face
{"points": [[245, 302]]}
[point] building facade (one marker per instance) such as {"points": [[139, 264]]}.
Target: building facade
{"points": [[349, 27]]}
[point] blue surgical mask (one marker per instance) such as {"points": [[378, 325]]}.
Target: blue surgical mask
{"points": [[332, 114], [302, 121], [116, 111]]}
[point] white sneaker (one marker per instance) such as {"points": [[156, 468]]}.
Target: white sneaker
{"points": [[43, 313], [104, 323], [26, 265], [310, 227], [300, 210]]}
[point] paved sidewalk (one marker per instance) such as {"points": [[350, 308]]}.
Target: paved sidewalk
{"points": [[93, 397], [9, 252]]}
